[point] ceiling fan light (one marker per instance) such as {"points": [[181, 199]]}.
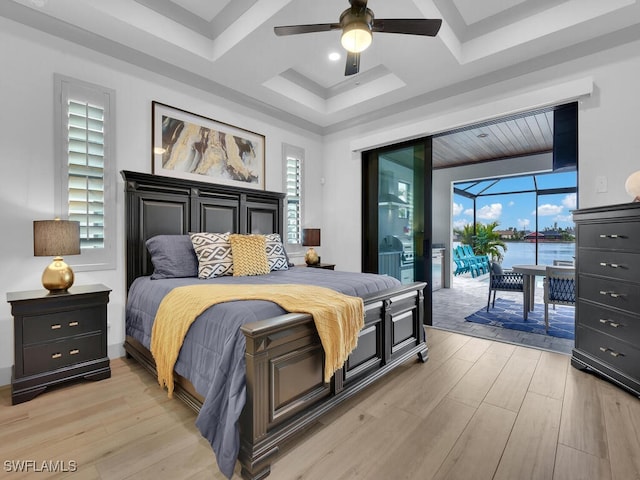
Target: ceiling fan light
{"points": [[356, 37]]}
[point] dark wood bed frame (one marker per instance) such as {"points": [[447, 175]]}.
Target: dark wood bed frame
{"points": [[284, 356]]}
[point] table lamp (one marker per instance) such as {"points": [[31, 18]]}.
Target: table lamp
{"points": [[632, 186], [54, 238], [311, 238]]}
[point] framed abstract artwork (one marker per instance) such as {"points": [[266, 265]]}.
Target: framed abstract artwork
{"points": [[191, 146]]}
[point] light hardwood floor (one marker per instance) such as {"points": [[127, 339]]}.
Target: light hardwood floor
{"points": [[478, 409]]}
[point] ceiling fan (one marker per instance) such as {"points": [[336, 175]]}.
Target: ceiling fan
{"points": [[357, 24]]}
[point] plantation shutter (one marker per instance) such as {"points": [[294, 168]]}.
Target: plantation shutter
{"points": [[86, 156], [294, 193]]}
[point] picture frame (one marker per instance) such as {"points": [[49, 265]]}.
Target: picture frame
{"points": [[191, 146]]}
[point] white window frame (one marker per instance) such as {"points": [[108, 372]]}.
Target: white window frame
{"points": [[291, 151], [66, 88]]}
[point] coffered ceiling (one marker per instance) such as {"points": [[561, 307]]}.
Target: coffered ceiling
{"points": [[229, 47]]}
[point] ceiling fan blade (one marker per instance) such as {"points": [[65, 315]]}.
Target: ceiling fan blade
{"points": [[296, 29], [353, 64], [415, 26]]}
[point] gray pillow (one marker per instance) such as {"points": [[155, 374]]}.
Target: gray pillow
{"points": [[172, 256]]}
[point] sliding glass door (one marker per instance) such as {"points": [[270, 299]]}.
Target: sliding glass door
{"points": [[397, 213]]}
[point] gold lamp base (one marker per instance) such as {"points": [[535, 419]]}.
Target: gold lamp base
{"points": [[311, 257], [58, 276]]}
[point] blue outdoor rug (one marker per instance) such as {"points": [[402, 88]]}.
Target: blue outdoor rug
{"points": [[508, 314]]}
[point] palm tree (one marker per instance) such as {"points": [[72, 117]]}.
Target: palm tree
{"points": [[485, 241]]}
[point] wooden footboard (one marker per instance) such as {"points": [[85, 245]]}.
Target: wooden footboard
{"points": [[284, 362]]}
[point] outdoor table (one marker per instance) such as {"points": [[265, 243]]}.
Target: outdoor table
{"points": [[529, 274]]}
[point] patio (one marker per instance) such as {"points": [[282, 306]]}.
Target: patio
{"points": [[468, 295]]}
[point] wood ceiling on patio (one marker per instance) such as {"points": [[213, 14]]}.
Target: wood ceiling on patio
{"points": [[516, 136]]}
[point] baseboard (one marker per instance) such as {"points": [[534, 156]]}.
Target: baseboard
{"points": [[5, 376]]}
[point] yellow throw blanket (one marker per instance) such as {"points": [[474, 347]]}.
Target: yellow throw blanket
{"points": [[338, 319]]}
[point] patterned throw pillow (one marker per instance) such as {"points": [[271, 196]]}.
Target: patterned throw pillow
{"points": [[275, 253], [249, 255], [214, 254]]}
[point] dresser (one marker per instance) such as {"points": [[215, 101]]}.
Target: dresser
{"points": [[608, 293], [58, 337]]}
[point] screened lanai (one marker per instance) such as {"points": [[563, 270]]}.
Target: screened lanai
{"points": [[532, 212]]}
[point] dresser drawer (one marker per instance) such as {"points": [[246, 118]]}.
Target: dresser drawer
{"points": [[609, 321], [46, 357], [620, 355], [618, 265], [52, 326], [625, 296], [610, 235]]}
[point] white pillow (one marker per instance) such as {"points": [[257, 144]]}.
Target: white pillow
{"points": [[214, 254]]}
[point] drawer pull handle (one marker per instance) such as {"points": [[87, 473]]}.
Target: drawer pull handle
{"points": [[56, 355], [609, 322], [613, 353], [56, 326], [613, 235], [611, 294], [612, 265], [75, 351], [73, 324]]}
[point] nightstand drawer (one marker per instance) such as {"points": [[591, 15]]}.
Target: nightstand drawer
{"points": [[612, 322], [52, 326], [47, 357], [620, 355], [610, 235]]}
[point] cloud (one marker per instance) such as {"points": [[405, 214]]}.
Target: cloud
{"points": [[547, 210], [570, 201], [523, 223], [457, 209], [469, 212], [490, 212], [459, 224], [511, 203], [564, 218]]}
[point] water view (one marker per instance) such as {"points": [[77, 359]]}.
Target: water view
{"points": [[524, 253], [519, 253]]}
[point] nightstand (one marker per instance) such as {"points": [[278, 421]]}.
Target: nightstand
{"points": [[326, 266], [58, 337]]}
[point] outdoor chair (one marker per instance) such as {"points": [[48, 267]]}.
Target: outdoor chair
{"points": [[461, 267], [559, 289], [481, 260], [470, 263], [563, 263], [505, 281]]}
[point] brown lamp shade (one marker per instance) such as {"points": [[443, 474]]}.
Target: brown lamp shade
{"points": [[310, 237], [55, 238]]}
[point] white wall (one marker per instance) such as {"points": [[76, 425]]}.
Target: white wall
{"points": [[29, 59], [609, 144]]}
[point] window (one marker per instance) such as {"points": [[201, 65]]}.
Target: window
{"points": [[293, 165], [86, 168]]}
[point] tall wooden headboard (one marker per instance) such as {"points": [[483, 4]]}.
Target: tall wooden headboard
{"points": [[157, 205]]}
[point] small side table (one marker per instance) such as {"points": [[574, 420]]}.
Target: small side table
{"points": [[58, 337], [326, 266]]}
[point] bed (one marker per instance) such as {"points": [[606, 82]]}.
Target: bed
{"points": [[277, 356]]}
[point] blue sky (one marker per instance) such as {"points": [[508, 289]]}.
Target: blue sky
{"points": [[518, 210]]}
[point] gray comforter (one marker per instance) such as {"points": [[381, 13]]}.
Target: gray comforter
{"points": [[212, 356]]}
